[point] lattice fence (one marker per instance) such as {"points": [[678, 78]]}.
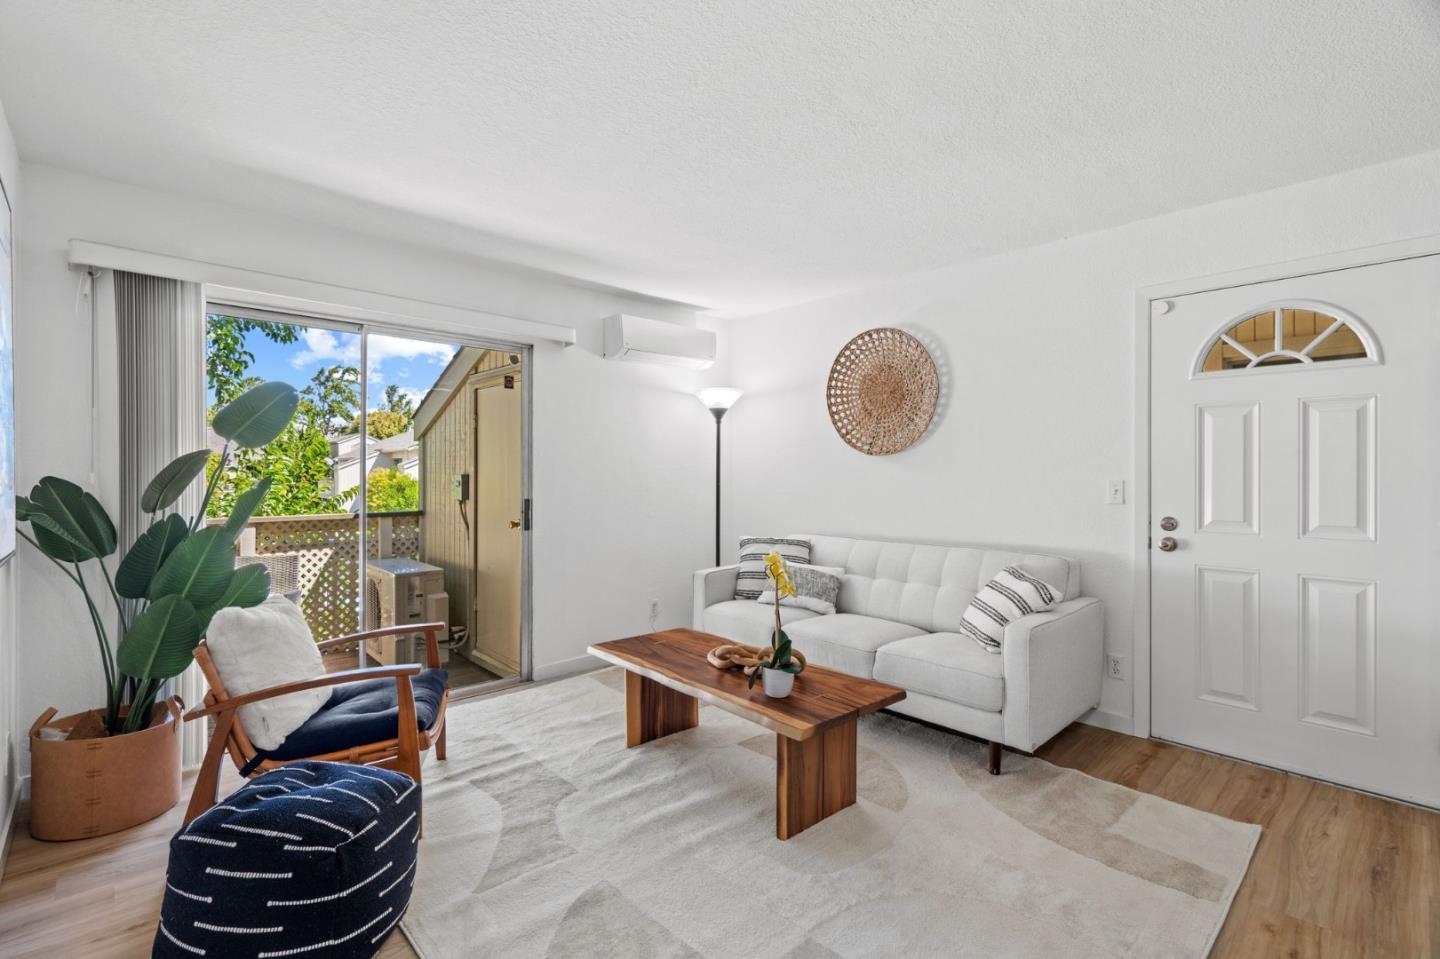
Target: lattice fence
{"points": [[327, 553]]}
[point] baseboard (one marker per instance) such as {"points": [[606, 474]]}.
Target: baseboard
{"points": [[8, 826], [1114, 722], [566, 667]]}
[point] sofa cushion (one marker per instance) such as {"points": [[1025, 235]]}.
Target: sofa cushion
{"points": [[746, 621], [845, 641], [945, 665], [750, 581], [1013, 593], [816, 588], [928, 587], [361, 713]]}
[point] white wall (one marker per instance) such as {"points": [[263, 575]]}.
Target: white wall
{"points": [[1037, 354], [622, 451], [11, 731]]}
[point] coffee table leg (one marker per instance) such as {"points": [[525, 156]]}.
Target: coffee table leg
{"points": [[653, 710], [814, 778]]}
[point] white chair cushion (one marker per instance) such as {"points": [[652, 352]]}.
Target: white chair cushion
{"points": [[928, 587], [946, 666], [845, 641], [746, 621], [264, 646]]}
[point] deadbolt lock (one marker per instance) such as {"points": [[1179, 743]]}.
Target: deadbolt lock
{"points": [[1169, 524]]}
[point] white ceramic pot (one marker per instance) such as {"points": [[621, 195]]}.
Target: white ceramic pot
{"points": [[777, 682]]}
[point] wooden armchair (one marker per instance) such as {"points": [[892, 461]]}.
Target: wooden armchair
{"points": [[403, 752]]}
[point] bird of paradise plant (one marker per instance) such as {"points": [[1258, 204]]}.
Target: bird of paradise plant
{"points": [[779, 655]]}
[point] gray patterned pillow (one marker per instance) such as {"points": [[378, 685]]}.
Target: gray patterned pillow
{"points": [[750, 583], [816, 588]]}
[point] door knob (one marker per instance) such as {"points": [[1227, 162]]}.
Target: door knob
{"points": [[514, 524], [1167, 544], [1169, 524]]}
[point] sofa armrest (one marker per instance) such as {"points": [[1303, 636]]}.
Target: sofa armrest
{"points": [[1054, 665], [713, 585]]}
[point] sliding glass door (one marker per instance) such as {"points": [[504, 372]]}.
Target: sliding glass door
{"points": [[400, 491]]}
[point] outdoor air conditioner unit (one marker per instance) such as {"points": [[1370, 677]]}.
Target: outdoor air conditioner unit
{"points": [[400, 591], [640, 340]]}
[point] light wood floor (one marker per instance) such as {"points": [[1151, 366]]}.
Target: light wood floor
{"points": [[1336, 874]]}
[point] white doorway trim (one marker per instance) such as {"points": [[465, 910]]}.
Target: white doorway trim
{"points": [[1146, 306]]}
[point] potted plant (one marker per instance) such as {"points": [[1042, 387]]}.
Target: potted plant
{"points": [[778, 666], [109, 768]]}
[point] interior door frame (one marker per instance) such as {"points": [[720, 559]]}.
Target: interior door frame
{"points": [[1149, 305]]}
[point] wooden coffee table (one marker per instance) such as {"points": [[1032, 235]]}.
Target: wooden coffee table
{"points": [[667, 678]]}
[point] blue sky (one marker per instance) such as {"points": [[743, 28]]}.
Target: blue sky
{"points": [[411, 364]]}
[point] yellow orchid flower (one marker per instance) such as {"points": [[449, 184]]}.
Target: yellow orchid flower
{"points": [[779, 575]]}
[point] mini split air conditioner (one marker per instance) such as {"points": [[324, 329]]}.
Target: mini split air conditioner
{"points": [[400, 591], [639, 340]]}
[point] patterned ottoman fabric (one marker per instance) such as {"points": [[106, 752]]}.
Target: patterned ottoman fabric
{"points": [[312, 859]]}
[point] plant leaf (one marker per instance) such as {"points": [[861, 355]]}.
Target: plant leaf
{"points": [[257, 416], [248, 587], [199, 570], [161, 641], [792, 667], [138, 568], [75, 516], [173, 480], [245, 506]]}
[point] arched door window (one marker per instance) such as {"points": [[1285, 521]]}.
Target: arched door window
{"points": [[1288, 334]]}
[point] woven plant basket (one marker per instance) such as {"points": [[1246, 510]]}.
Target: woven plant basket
{"points": [[90, 786], [882, 391]]}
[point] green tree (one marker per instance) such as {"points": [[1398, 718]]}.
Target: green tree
{"points": [[383, 424], [397, 401], [391, 491], [334, 398], [227, 361]]}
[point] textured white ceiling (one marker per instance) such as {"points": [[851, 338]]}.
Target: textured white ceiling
{"points": [[738, 155]]}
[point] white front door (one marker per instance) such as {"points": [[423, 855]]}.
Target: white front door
{"points": [[1294, 621]]}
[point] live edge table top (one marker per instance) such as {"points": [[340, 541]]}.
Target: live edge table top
{"points": [[821, 698]]}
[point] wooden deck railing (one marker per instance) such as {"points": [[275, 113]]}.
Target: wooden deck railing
{"points": [[326, 552]]}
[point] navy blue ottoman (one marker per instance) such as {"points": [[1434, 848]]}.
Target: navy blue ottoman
{"points": [[312, 859]]}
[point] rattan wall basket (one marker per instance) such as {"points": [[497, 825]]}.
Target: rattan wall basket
{"points": [[882, 391]]}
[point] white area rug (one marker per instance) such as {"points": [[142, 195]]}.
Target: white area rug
{"points": [[546, 837]]}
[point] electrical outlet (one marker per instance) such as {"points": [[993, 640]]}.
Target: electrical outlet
{"points": [[1115, 492], [1114, 666], [654, 614]]}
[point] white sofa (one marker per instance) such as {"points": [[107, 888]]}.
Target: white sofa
{"points": [[897, 619]]}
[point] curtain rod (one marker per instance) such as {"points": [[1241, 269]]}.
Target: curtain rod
{"points": [[277, 292]]}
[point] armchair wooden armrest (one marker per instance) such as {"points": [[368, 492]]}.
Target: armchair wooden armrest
{"points": [[432, 633], [329, 679]]}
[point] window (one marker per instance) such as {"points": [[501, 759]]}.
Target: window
{"points": [[1287, 335]]}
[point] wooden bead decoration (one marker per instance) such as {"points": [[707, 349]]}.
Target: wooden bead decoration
{"points": [[882, 391]]}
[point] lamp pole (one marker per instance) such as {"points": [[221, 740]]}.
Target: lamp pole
{"points": [[719, 413], [718, 400]]}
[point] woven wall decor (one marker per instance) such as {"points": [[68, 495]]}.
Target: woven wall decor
{"points": [[882, 391]]}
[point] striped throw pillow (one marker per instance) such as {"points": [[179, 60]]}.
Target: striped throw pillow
{"points": [[753, 549], [1011, 594]]}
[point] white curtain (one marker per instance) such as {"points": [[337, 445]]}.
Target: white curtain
{"points": [[160, 348]]}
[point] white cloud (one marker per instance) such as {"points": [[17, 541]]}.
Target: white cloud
{"points": [[324, 346]]}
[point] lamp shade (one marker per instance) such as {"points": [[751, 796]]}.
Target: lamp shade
{"points": [[719, 397]]}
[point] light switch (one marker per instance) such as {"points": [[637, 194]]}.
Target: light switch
{"points": [[1115, 492]]}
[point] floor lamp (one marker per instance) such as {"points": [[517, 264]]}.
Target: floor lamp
{"points": [[718, 400]]}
